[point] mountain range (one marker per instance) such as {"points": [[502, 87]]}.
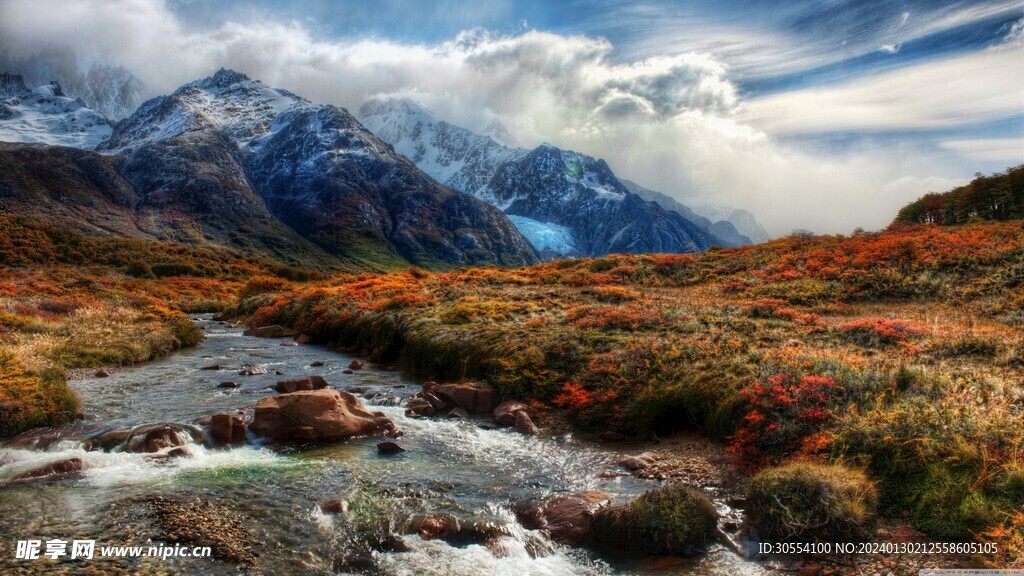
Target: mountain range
{"points": [[567, 203], [229, 161]]}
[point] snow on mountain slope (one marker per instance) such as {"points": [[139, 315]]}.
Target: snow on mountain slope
{"points": [[110, 90], [46, 116], [545, 187], [320, 172], [230, 102], [452, 155]]}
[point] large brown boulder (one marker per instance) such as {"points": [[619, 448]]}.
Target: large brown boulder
{"points": [[59, 468], [318, 416], [308, 383], [524, 425], [227, 429], [471, 397], [505, 413], [568, 519]]}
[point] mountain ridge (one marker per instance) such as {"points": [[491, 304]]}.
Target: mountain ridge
{"points": [[228, 146], [547, 188]]}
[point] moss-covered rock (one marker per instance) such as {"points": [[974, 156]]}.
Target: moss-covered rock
{"points": [[671, 520], [812, 502]]}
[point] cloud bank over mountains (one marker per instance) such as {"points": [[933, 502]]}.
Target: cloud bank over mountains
{"points": [[678, 122]]}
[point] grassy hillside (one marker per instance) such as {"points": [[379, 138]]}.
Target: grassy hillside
{"points": [[898, 352], [74, 301]]}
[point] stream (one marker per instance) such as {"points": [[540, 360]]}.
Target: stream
{"points": [[464, 468]]}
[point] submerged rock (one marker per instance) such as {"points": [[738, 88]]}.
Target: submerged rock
{"points": [[153, 438], [318, 415], [567, 519], [59, 468], [334, 507], [228, 385], [204, 523], [147, 438], [389, 448], [356, 365], [101, 373], [273, 331], [252, 370]]}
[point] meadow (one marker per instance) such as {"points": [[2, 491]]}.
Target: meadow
{"points": [[896, 355]]}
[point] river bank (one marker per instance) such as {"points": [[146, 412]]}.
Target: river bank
{"points": [[463, 468]]}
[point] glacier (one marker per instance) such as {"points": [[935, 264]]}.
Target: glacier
{"points": [[545, 235]]}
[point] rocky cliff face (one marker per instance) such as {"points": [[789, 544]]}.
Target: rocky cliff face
{"points": [[566, 203]]}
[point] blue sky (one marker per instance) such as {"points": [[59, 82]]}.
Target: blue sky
{"points": [[824, 115]]}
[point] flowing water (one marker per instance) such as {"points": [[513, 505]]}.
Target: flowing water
{"points": [[462, 468]]}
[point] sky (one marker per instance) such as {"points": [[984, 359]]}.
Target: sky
{"points": [[826, 115]]}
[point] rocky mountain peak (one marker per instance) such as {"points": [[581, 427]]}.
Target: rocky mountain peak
{"points": [[222, 79], [46, 116], [12, 85]]}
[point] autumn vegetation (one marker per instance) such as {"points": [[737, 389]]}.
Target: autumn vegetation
{"points": [[886, 368], [69, 301], [893, 356]]}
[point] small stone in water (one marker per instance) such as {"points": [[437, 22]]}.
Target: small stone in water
{"points": [[101, 373], [356, 365], [389, 448], [334, 507], [318, 363], [347, 371], [228, 385]]}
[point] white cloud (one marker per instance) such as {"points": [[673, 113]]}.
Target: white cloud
{"points": [[672, 121], [950, 92], [1007, 150], [760, 42]]}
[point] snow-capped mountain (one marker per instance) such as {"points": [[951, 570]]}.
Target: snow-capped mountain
{"points": [[566, 203], [452, 155], [110, 90], [46, 115], [325, 176]]}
